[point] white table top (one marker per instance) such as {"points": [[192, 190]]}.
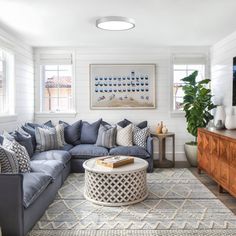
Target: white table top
{"points": [[139, 164]]}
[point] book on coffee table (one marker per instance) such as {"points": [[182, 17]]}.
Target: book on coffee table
{"points": [[115, 161]]}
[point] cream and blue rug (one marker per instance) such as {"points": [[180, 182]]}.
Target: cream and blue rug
{"points": [[178, 204]]}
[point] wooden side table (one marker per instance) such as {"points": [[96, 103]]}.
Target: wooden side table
{"points": [[163, 162]]}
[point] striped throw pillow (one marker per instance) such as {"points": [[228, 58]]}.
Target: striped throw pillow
{"points": [[8, 161], [106, 136], [46, 139], [60, 135]]}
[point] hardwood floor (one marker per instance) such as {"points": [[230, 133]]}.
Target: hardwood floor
{"points": [[224, 197]]}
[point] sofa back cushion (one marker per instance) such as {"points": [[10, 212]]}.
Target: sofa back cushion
{"points": [[72, 132], [106, 136], [24, 140], [30, 129], [126, 122], [89, 132], [46, 139], [124, 136], [8, 161]]}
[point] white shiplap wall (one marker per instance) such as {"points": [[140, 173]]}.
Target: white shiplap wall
{"points": [[222, 54], [24, 81], [162, 57]]}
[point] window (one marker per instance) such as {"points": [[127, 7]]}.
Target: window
{"points": [[6, 83], [2, 87], [181, 70], [57, 88], [56, 80]]}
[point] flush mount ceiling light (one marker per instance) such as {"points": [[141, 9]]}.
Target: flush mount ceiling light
{"points": [[115, 23]]}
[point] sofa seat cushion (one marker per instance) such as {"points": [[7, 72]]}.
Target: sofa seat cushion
{"points": [[59, 155], [135, 151], [33, 185], [49, 167], [87, 151]]}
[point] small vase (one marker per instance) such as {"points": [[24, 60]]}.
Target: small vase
{"points": [[158, 130], [164, 129], [230, 122], [219, 115]]}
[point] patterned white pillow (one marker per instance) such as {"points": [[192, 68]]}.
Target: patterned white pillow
{"points": [[8, 161], [124, 136], [140, 136], [21, 154]]}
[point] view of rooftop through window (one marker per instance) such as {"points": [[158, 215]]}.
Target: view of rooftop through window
{"points": [[57, 88], [181, 71]]}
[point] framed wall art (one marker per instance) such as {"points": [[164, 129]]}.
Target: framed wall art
{"points": [[122, 86]]}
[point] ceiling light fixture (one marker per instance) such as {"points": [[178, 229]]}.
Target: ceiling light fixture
{"points": [[115, 23]]}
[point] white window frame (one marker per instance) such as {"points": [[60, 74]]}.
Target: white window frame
{"points": [[9, 83], [52, 58], [188, 59]]}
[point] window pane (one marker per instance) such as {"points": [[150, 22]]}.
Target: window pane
{"points": [[51, 67], [178, 101], [180, 67], [195, 67], [65, 103], [51, 104], [65, 67], [181, 71], [58, 88], [178, 75]]}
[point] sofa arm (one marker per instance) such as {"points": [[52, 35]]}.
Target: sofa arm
{"points": [[11, 205], [150, 145]]}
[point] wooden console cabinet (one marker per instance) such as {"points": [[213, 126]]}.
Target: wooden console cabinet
{"points": [[217, 157]]}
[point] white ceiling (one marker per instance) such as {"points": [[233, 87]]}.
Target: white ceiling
{"points": [[158, 22]]}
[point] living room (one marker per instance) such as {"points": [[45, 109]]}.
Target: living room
{"points": [[75, 89]]}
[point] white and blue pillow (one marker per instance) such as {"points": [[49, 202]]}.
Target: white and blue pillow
{"points": [[8, 161]]}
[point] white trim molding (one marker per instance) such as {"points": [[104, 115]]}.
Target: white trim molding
{"points": [[8, 118]]}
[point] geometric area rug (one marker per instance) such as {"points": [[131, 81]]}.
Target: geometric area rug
{"points": [[178, 204]]}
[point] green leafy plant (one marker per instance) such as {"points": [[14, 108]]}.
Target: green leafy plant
{"points": [[197, 103]]}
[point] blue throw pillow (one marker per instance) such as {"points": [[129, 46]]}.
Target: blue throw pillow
{"points": [[30, 129], [24, 140], [126, 122], [72, 132], [89, 132], [34, 125]]}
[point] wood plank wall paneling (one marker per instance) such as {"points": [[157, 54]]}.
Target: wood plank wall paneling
{"points": [[162, 57], [222, 54], [24, 80]]}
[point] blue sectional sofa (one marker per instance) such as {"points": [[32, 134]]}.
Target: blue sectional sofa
{"points": [[25, 197]]}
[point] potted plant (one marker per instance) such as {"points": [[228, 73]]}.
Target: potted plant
{"points": [[197, 105]]}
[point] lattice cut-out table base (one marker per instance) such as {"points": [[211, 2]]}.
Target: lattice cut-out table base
{"points": [[116, 189]]}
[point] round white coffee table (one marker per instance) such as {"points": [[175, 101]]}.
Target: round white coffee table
{"points": [[120, 186]]}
